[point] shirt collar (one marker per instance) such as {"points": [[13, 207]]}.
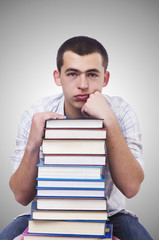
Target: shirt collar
{"points": [[60, 107]]}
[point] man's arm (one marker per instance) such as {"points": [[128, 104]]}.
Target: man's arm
{"points": [[126, 172], [23, 181]]}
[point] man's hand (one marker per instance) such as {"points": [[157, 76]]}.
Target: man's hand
{"points": [[97, 107], [94, 105], [37, 128]]}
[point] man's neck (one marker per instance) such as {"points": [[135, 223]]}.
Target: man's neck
{"points": [[76, 113]]}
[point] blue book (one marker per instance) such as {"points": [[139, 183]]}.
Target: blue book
{"points": [[69, 171], [70, 192], [68, 228], [32, 236], [71, 183], [70, 188], [109, 231], [71, 179]]}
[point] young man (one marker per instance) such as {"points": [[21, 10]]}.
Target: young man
{"points": [[82, 73]]}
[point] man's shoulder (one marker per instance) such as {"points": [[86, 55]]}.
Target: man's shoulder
{"points": [[116, 102], [46, 104], [121, 109]]}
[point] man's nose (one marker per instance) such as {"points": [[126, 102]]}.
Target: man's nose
{"points": [[83, 81]]}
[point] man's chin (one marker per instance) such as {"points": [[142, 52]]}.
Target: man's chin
{"points": [[79, 104]]}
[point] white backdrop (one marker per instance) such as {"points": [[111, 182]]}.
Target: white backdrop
{"points": [[31, 32]]}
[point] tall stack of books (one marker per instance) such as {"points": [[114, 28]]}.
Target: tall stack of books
{"points": [[71, 201]]}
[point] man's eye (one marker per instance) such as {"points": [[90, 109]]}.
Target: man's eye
{"points": [[93, 75], [71, 74]]}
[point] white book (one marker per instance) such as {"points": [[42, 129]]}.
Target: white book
{"points": [[70, 183], [66, 214], [71, 146], [73, 133], [69, 215], [41, 192], [75, 159], [74, 123], [67, 171], [71, 204]]}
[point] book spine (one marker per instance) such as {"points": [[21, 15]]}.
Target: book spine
{"points": [[69, 188], [71, 179], [41, 164]]}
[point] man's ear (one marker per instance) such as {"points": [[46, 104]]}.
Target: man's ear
{"points": [[57, 79], [106, 78]]}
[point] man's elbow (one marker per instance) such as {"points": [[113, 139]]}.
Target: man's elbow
{"points": [[131, 192], [20, 197], [132, 189]]}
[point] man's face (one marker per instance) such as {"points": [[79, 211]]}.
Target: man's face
{"points": [[80, 76]]}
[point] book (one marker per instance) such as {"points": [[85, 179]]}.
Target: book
{"points": [[74, 146], [74, 123], [65, 203], [29, 236], [69, 171], [76, 183], [75, 133], [69, 192], [67, 228], [67, 214], [75, 159], [70, 201]]}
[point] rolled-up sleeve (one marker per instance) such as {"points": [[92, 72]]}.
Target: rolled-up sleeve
{"points": [[21, 140], [131, 130], [50, 103]]}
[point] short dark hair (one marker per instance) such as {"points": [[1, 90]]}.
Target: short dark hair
{"points": [[81, 45]]}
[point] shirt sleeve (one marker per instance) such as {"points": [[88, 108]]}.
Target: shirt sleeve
{"points": [[21, 140], [131, 130], [52, 103]]}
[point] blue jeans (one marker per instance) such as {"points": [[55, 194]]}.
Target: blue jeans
{"points": [[15, 228], [125, 227]]}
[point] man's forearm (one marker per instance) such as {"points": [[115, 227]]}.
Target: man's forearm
{"points": [[125, 170], [23, 181]]}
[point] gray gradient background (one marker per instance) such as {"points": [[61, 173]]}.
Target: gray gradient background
{"points": [[31, 32]]}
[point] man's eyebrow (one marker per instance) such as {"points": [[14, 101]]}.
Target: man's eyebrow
{"points": [[93, 70], [72, 70], [76, 70]]}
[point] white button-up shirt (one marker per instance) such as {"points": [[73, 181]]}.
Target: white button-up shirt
{"points": [[128, 124]]}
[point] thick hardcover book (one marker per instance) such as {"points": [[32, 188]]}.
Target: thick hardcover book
{"points": [[74, 123], [70, 183], [69, 171], [68, 227], [70, 192], [75, 133], [74, 146], [67, 214], [108, 235], [71, 159], [66, 203]]}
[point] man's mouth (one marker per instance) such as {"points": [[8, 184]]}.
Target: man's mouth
{"points": [[82, 97]]}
